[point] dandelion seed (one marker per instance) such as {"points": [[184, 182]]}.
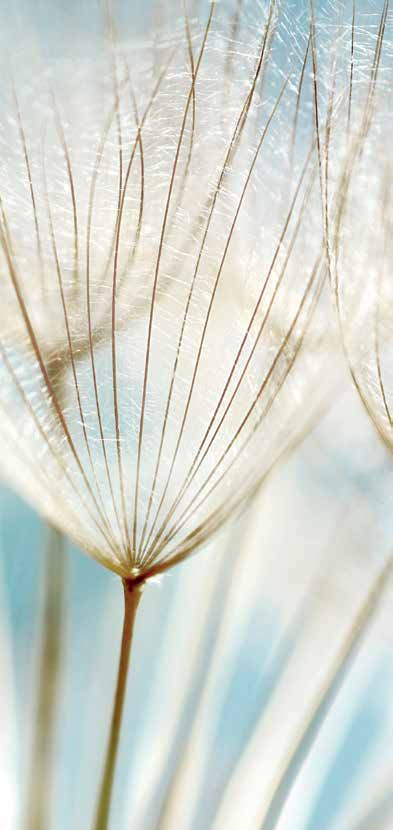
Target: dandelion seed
{"points": [[361, 241], [163, 262], [160, 276]]}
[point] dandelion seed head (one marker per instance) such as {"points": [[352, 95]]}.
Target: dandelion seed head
{"points": [[162, 263], [361, 242]]}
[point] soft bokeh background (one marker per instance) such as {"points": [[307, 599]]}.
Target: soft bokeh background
{"points": [[230, 651]]}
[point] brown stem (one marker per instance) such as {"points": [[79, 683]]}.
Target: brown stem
{"points": [[37, 811], [132, 595]]}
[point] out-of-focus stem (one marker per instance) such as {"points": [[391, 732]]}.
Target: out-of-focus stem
{"points": [[37, 812], [132, 595]]}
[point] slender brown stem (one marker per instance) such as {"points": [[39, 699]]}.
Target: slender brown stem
{"points": [[132, 595], [37, 811]]}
